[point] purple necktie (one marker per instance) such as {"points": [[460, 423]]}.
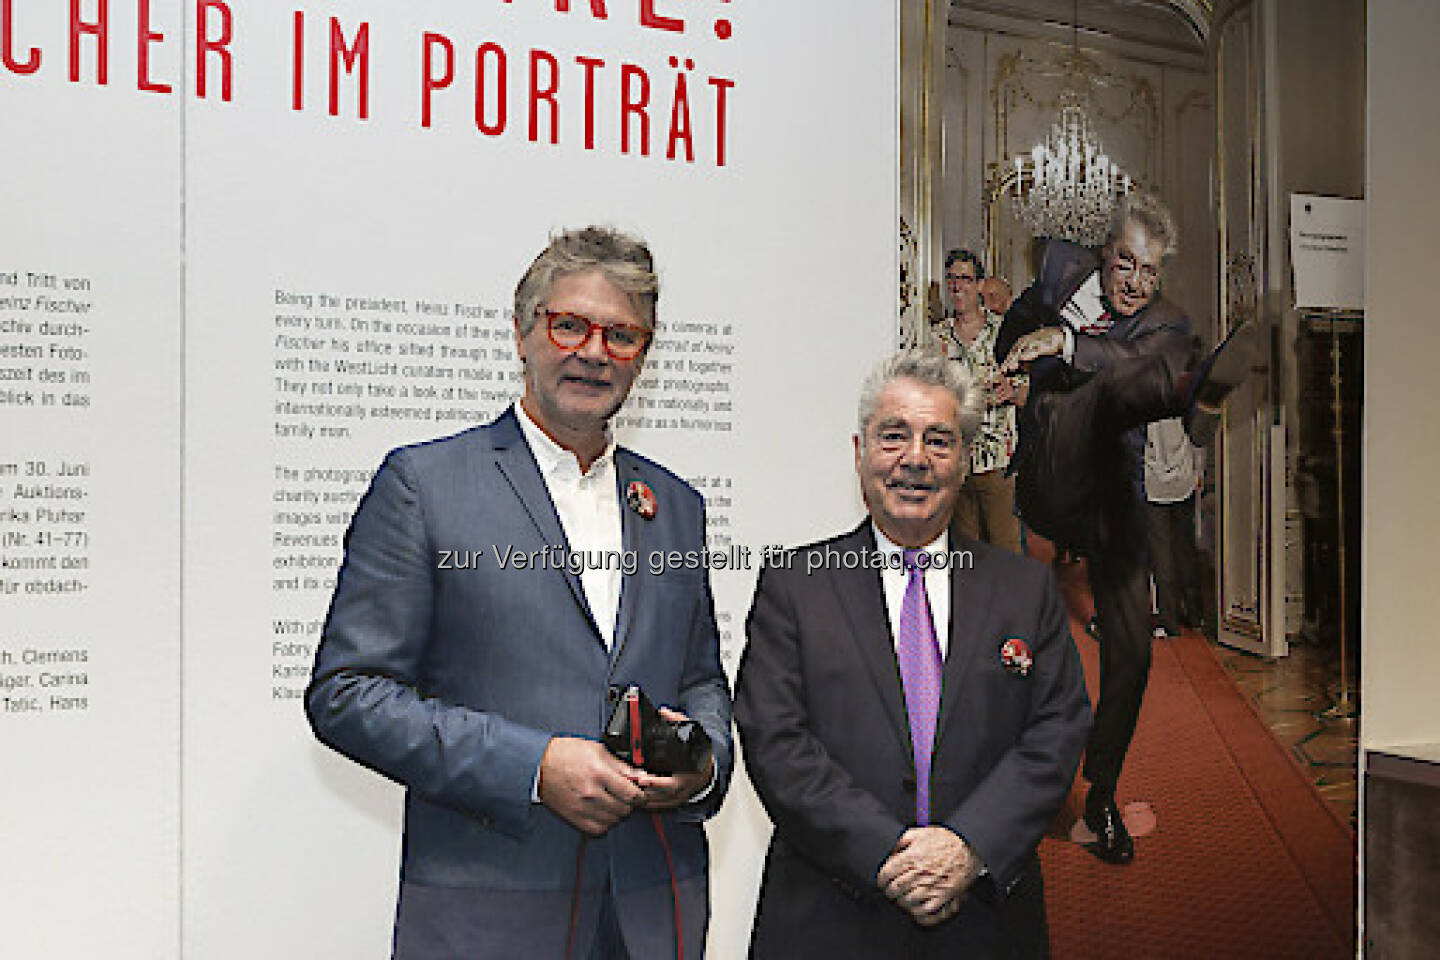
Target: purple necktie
{"points": [[919, 657]]}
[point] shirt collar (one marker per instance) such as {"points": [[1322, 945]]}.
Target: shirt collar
{"points": [[952, 318], [889, 547], [552, 458], [1087, 304]]}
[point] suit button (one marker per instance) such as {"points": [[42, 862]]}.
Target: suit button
{"points": [[908, 784]]}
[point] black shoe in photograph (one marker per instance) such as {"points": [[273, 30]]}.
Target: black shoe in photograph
{"points": [[1112, 841], [1217, 376]]}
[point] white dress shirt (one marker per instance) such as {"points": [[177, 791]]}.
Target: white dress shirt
{"points": [[1172, 462], [1082, 313], [589, 509], [894, 578]]}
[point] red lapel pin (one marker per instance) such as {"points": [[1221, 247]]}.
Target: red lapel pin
{"points": [[641, 499], [1015, 655]]}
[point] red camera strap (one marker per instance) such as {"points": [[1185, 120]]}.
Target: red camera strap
{"points": [[637, 751], [637, 758], [674, 885], [575, 899], [674, 892]]}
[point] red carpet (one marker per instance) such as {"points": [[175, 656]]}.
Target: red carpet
{"points": [[1246, 861]]}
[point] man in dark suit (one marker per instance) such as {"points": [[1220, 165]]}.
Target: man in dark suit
{"points": [[471, 657], [912, 710], [1107, 354]]}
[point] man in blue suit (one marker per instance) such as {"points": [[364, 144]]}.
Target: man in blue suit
{"points": [[496, 593]]}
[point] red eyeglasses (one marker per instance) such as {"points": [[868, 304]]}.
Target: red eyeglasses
{"points": [[571, 331]]}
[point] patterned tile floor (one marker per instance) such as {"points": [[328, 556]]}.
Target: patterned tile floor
{"points": [[1291, 693]]}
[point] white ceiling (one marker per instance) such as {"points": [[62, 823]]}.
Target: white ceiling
{"points": [[1176, 26]]}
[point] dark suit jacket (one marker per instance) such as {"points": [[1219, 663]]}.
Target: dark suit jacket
{"points": [[449, 673], [1074, 451], [1064, 267], [821, 715]]}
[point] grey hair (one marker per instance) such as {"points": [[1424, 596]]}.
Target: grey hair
{"points": [[1151, 214], [928, 367], [622, 258]]}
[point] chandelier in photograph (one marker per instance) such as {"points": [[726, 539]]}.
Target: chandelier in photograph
{"points": [[1066, 186]]}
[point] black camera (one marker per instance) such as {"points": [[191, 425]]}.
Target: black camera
{"points": [[637, 734]]}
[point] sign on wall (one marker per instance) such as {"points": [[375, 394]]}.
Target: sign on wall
{"points": [[251, 247], [1327, 250]]}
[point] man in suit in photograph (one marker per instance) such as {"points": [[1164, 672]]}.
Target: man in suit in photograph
{"points": [[1107, 354], [912, 710], [468, 656]]}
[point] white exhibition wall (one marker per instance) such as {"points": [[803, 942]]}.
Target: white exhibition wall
{"points": [[249, 248], [90, 507], [1399, 603]]}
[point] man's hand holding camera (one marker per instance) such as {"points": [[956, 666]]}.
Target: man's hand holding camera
{"points": [[587, 786], [670, 791], [592, 790]]}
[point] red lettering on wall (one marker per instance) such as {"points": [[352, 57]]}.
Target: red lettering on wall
{"points": [[7, 48], [649, 18], [146, 37], [356, 58], [680, 132], [590, 65], [297, 72], [722, 86], [100, 30], [634, 106], [205, 44], [597, 8], [547, 94], [428, 81], [484, 51]]}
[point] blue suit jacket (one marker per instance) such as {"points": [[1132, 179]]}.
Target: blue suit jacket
{"points": [[446, 672]]}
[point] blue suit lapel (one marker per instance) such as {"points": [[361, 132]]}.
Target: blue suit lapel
{"points": [[517, 464], [638, 537]]}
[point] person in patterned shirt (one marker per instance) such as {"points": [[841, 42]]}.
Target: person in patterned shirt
{"points": [[986, 508]]}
